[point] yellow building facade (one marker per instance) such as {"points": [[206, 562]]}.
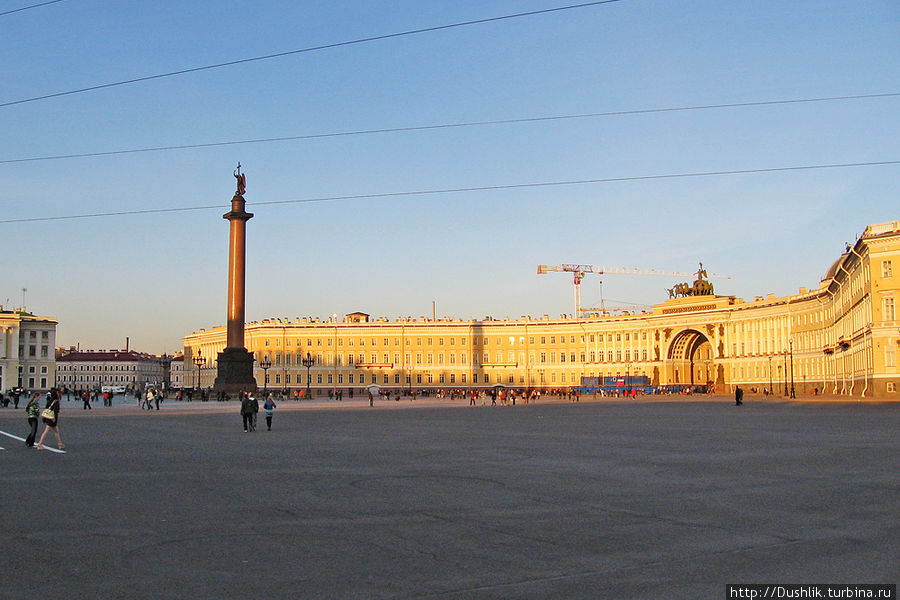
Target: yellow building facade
{"points": [[842, 338]]}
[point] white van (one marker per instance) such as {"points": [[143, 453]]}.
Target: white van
{"points": [[115, 389]]}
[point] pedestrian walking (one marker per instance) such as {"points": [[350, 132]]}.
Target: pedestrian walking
{"points": [[269, 407], [32, 411], [50, 417], [246, 412], [738, 396], [86, 400], [254, 404]]}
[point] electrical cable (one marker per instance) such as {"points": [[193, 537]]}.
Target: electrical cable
{"points": [[463, 190], [310, 49], [446, 126], [15, 10]]}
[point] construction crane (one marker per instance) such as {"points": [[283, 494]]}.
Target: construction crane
{"points": [[579, 271]]}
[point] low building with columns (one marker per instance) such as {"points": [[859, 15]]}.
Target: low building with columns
{"points": [[27, 351], [840, 338]]}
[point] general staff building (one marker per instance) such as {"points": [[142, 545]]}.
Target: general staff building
{"points": [[841, 338]]}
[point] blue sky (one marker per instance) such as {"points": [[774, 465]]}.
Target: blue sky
{"points": [[159, 276]]}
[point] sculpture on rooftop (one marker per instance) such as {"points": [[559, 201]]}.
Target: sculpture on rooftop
{"points": [[701, 286]]}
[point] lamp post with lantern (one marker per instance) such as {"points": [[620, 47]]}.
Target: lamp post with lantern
{"points": [[198, 361], [308, 362], [266, 364]]}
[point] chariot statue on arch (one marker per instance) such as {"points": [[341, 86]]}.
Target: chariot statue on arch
{"points": [[702, 286]]}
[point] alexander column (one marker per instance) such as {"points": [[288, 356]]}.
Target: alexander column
{"points": [[235, 364]]}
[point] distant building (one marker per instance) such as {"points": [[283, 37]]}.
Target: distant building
{"points": [[77, 369], [841, 338], [27, 357], [176, 373]]}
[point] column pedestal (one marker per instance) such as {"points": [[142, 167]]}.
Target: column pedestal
{"points": [[235, 372]]}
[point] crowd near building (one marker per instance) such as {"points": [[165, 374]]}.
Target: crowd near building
{"points": [[120, 370], [840, 338]]}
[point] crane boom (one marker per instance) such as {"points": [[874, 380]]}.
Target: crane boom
{"points": [[601, 270]]}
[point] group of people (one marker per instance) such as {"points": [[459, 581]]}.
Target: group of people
{"points": [[147, 401], [250, 410], [49, 415], [14, 395]]}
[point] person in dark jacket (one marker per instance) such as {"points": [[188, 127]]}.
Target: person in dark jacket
{"points": [[33, 411], [247, 412]]}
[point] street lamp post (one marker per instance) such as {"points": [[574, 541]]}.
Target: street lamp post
{"points": [[785, 374], [266, 364], [770, 374], [791, 341], [198, 360], [164, 361], [308, 363]]}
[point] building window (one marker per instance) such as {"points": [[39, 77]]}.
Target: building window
{"points": [[887, 269], [890, 357], [889, 314], [891, 386]]}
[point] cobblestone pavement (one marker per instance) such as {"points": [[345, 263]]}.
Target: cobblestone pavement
{"points": [[656, 498]]}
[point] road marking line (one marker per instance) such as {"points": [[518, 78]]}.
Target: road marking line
{"points": [[21, 439]]}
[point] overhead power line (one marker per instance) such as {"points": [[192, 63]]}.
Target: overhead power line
{"points": [[15, 10], [486, 188], [313, 136], [365, 40]]}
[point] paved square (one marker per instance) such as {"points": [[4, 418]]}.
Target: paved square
{"points": [[590, 500]]}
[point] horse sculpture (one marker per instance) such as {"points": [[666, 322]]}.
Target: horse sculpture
{"points": [[701, 287]]}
